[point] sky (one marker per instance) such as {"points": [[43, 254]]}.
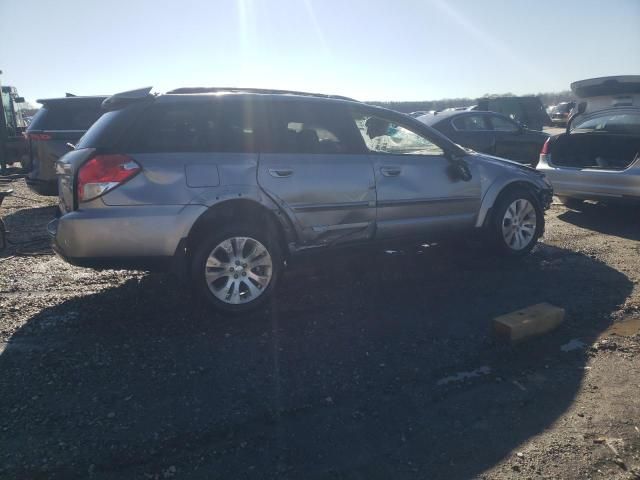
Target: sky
{"points": [[365, 49]]}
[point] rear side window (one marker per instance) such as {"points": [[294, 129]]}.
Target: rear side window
{"points": [[623, 123], [212, 126], [103, 133], [471, 123], [311, 128], [66, 116], [502, 124]]}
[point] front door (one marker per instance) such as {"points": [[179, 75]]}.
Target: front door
{"points": [[318, 172], [417, 192]]}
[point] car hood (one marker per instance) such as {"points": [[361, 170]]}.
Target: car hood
{"points": [[500, 162]]}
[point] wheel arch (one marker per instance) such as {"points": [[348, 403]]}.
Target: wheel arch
{"points": [[242, 209], [496, 191]]}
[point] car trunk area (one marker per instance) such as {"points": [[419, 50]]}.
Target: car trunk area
{"points": [[595, 150]]}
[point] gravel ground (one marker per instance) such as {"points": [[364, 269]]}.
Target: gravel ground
{"points": [[371, 365]]}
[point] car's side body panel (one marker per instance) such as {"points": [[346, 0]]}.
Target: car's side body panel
{"points": [[330, 198], [132, 231]]}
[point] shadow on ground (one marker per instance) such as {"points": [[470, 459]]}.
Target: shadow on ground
{"points": [[616, 220], [27, 230], [345, 375]]}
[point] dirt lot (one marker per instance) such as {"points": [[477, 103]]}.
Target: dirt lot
{"points": [[364, 366]]}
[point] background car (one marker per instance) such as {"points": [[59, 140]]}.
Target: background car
{"points": [[528, 110], [490, 133], [561, 113], [226, 186], [60, 121], [598, 158]]}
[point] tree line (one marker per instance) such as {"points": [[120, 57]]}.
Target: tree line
{"points": [[550, 98]]}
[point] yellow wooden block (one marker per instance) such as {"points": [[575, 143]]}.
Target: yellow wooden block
{"points": [[528, 322]]}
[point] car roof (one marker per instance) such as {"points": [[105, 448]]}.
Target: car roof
{"points": [[196, 94], [264, 91], [195, 97]]}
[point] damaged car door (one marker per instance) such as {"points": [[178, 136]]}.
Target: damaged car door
{"points": [[314, 166], [421, 191]]}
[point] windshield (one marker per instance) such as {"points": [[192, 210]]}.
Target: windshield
{"points": [[626, 123]]}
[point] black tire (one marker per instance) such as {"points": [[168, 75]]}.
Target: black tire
{"points": [[218, 234], [572, 203], [496, 235]]}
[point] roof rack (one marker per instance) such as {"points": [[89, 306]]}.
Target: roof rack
{"points": [[118, 100], [73, 98], [187, 90]]}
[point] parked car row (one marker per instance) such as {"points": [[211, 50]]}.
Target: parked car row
{"points": [[526, 111], [221, 186]]}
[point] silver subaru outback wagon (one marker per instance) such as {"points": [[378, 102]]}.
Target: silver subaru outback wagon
{"points": [[224, 185]]}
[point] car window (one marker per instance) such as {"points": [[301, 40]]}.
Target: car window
{"points": [[173, 128], [382, 135], [502, 124], [626, 123], [222, 126], [58, 116], [471, 123], [311, 128]]}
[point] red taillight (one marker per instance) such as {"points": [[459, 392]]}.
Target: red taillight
{"points": [[545, 148], [39, 136], [103, 173]]}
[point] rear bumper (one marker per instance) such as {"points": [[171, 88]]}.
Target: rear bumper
{"points": [[135, 238], [593, 184]]}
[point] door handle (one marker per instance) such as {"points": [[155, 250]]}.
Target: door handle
{"points": [[280, 172], [390, 171]]}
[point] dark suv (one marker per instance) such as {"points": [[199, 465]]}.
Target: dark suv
{"points": [[224, 185], [528, 110], [60, 121]]}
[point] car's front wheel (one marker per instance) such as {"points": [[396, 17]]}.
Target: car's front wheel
{"points": [[518, 222], [236, 268]]}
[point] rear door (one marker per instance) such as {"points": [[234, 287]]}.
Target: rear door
{"points": [[315, 167], [472, 130], [417, 195]]}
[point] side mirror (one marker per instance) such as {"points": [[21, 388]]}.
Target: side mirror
{"points": [[459, 170]]}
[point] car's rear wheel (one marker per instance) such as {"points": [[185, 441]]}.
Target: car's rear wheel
{"points": [[573, 203], [237, 268], [518, 222]]}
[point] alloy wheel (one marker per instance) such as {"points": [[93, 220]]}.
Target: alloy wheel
{"points": [[519, 224], [238, 270]]}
